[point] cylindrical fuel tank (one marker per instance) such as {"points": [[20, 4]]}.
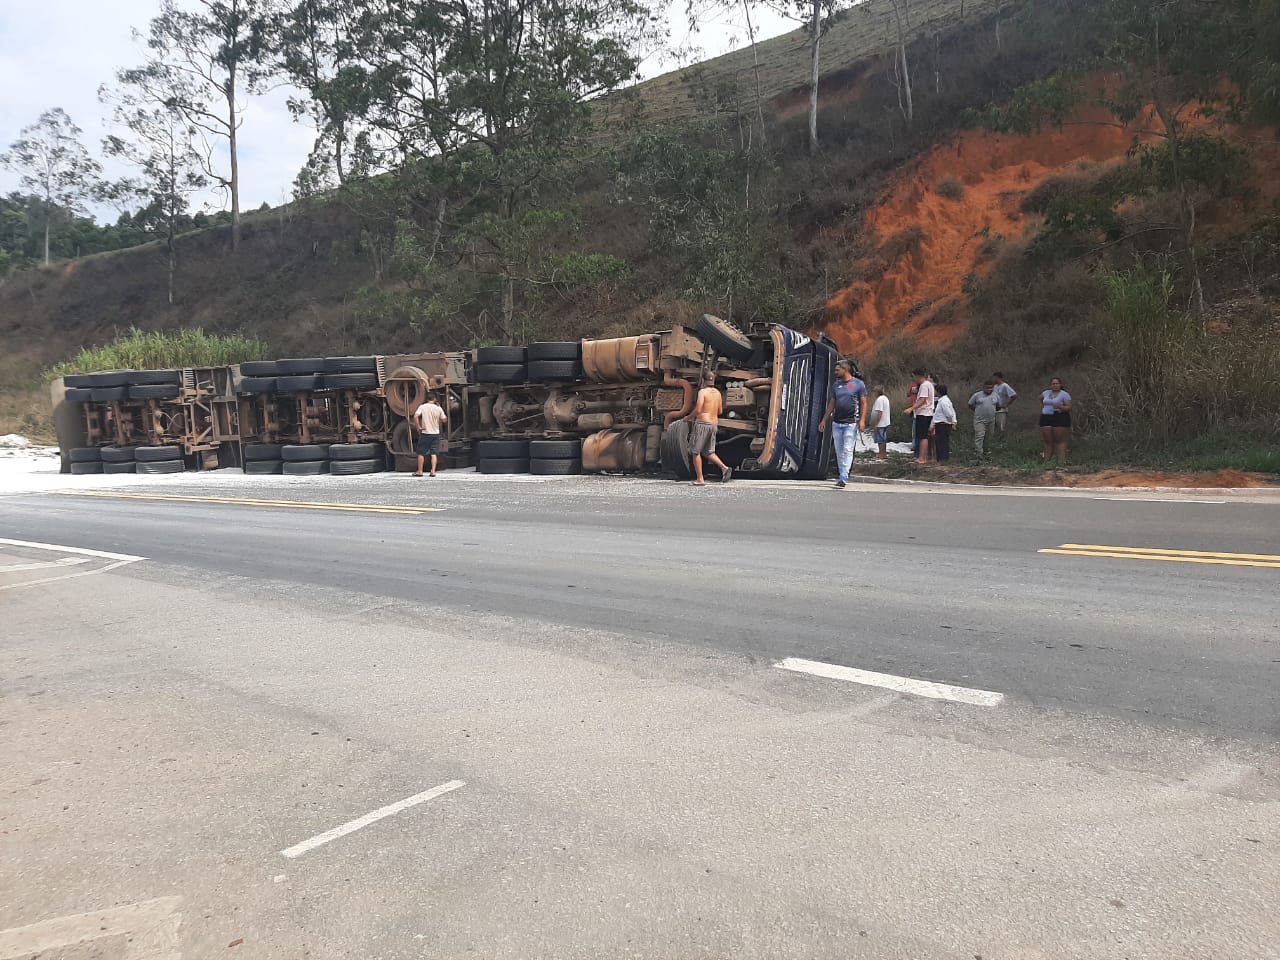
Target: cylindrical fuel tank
{"points": [[625, 358], [614, 450]]}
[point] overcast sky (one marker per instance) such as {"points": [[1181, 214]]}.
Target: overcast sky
{"points": [[56, 53]]}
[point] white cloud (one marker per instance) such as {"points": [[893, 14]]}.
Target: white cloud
{"points": [[58, 52]]}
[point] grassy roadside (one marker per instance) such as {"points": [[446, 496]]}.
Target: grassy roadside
{"points": [[1015, 459]]}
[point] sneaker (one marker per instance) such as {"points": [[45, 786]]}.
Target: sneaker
{"points": [[842, 483], [728, 472]]}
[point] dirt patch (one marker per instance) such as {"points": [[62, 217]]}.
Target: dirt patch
{"points": [[1224, 479], [984, 178]]}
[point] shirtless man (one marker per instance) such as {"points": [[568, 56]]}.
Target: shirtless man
{"points": [[702, 436]]}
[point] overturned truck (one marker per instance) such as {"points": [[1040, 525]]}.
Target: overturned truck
{"points": [[602, 406]]}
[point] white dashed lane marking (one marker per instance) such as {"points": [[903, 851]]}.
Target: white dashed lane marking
{"points": [[351, 826], [887, 681]]}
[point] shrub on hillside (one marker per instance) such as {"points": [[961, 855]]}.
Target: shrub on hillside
{"points": [[951, 189], [163, 350]]}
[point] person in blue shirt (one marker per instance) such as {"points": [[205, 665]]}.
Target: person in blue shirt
{"points": [[847, 414], [1055, 421]]}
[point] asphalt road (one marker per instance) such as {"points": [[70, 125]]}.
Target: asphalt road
{"points": [[389, 718], [946, 588]]}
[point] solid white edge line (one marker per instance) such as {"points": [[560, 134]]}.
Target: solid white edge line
{"points": [[1155, 500], [298, 849], [78, 550], [887, 681]]}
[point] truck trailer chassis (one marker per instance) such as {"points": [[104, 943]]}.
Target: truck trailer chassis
{"points": [[611, 405]]}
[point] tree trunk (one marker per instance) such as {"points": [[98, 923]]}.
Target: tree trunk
{"points": [[47, 214], [235, 159], [909, 109], [816, 39], [755, 66]]}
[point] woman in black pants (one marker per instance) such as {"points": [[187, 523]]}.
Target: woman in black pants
{"points": [[1055, 421]]}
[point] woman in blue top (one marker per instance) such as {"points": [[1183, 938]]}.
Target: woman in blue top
{"points": [[1055, 421]]}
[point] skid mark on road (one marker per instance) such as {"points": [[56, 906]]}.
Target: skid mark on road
{"points": [[81, 555], [150, 929], [1166, 556], [351, 826], [248, 502], [887, 681]]}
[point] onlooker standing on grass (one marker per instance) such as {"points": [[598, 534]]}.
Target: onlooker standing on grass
{"points": [[985, 405], [922, 409], [847, 414], [944, 421], [1005, 396], [1055, 421], [880, 420]]}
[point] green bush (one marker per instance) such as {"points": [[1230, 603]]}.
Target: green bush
{"points": [[951, 188], [163, 350]]}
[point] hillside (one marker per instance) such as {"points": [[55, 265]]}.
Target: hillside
{"points": [[932, 236]]}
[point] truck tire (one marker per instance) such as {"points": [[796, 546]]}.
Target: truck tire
{"points": [[351, 365], [502, 449], [555, 350], [555, 468], [86, 454], [116, 454], [356, 451], [154, 391], [297, 383], [157, 455], [351, 468], [726, 339], [675, 451], [81, 469], [259, 368], [260, 467], [257, 385], [305, 468], [129, 467], [554, 370], [108, 394], [555, 450], [351, 381], [115, 378], [501, 373], [161, 466], [487, 355], [79, 395], [304, 452], [503, 465], [77, 380], [296, 366], [261, 451], [155, 378]]}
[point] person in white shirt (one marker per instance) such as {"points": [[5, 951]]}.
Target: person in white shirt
{"points": [[880, 420], [944, 421], [1005, 396], [428, 418], [922, 410]]}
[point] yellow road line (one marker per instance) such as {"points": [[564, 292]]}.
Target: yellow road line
{"points": [[1164, 557], [1269, 558], [244, 501]]}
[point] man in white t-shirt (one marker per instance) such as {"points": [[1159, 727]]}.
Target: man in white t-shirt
{"points": [[428, 418], [1005, 396], [922, 410], [879, 422]]}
